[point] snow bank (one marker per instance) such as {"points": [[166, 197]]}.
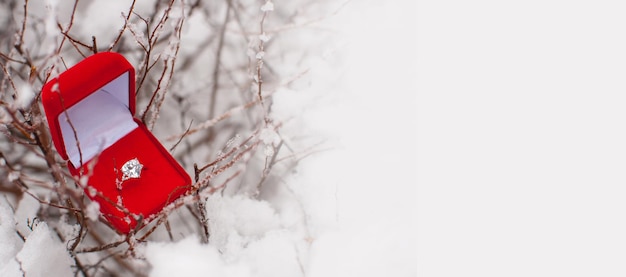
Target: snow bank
{"points": [[238, 216], [246, 240], [42, 255], [10, 243], [189, 258]]}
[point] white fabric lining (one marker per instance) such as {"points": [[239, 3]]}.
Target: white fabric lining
{"points": [[100, 120]]}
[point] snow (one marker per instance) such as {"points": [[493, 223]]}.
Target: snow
{"points": [[25, 96], [250, 249], [238, 216], [91, 191], [42, 254], [189, 258], [67, 230], [260, 55], [170, 51], [264, 37], [51, 13], [271, 139], [13, 175], [26, 212], [344, 211], [32, 261], [93, 211], [268, 150], [272, 255], [366, 226], [10, 243], [268, 6], [247, 238], [269, 136], [138, 34], [348, 212]]}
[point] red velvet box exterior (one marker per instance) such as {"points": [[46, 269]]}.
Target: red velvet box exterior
{"points": [[162, 179]]}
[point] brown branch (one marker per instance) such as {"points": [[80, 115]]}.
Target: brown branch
{"points": [[100, 247], [95, 45], [218, 56], [66, 32], [269, 164], [204, 221], [212, 122], [74, 42], [202, 183], [152, 40], [119, 36], [178, 31], [168, 228], [220, 158], [69, 121], [154, 93], [4, 56], [182, 136], [23, 30]]}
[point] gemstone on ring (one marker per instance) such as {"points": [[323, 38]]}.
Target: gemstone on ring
{"points": [[131, 169]]}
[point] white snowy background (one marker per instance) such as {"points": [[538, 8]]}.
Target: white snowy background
{"points": [[348, 211], [522, 138], [359, 196]]}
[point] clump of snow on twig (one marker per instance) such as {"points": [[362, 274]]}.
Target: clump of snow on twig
{"points": [[271, 139], [13, 176], [269, 136], [67, 231], [25, 96], [93, 211], [264, 37], [268, 6]]}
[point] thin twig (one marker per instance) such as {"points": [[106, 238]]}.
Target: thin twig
{"points": [[182, 136], [119, 35], [218, 57]]}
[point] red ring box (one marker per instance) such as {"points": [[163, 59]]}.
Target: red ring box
{"points": [[97, 95]]}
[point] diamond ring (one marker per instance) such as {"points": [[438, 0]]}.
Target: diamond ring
{"points": [[131, 169]]}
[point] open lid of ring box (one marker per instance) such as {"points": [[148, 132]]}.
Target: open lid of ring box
{"points": [[90, 111]]}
